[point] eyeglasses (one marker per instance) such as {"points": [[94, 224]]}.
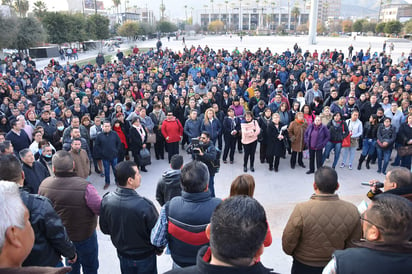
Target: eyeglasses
{"points": [[370, 222]]}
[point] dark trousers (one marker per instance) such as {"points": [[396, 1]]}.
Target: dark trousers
{"points": [[312, 155], [299, 268], [87, 256], [121, 154], [230, 145], [143, 266], [274, 161], [262, 153], [249, 152], [172, 149], [239, 143], [220, 141], [212, 185], [159, 147], [293, 158]]}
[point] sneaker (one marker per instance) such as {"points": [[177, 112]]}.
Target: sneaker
{"points": [[102, 174], [224, 161], [342, 165], [350, 167], [244, 169]]}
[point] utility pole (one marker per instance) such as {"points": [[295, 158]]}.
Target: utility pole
{"points": [[313, 21]]}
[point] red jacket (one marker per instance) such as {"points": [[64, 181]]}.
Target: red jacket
{"points": [[172, 129]]}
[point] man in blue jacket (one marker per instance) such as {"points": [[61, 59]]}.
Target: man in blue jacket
{"points": [[107, 146]]}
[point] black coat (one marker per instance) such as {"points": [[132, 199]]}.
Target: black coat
{"points": [[34, 176], [275, 146]]}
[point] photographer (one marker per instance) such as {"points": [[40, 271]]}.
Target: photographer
{"points": [[398, 181], [205, 152]]}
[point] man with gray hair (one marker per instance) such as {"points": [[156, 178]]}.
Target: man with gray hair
{"points": [[78, 204], [34, 171], [51, 239], [16, 233]]}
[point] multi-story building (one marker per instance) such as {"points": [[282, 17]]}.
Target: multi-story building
{"points": [[395, 11]]}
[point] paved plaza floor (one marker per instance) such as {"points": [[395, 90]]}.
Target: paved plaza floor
{"points": [[278, 192]]}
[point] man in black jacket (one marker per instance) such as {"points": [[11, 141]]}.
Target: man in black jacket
{"points": [[169, 185], [107, 146], [136, 216], [51, 239], [34, 171]]}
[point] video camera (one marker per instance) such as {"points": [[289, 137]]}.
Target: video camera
{"points": [[194, 145]]}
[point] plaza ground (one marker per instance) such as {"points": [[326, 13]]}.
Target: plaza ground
{"points": [[278, 192]]}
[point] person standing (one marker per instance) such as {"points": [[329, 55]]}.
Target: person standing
{"points": [[206, 153], [316, 138], [80, 158], [385, 138], [231, 129], [250, 130], [370, 131], [108, 144], [78, 205], [276, 145], [169, 185], [355, 130], [51, 241], [138, 137], [296, 133], [158, 116], [405, 139], [183, 220], [212, 125], [136, 216], [264, 121], [318, 227], [17, 136], [172, 131], [338, 130], [34, 171]]}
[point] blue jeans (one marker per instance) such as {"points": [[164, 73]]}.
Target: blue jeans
{"points": [[143, 266], [385, 155], [368, 147], [87, 256], [106, 165], [348, 152], [328, 149]]}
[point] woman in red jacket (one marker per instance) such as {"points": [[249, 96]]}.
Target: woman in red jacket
{"points": [[172, 131]]}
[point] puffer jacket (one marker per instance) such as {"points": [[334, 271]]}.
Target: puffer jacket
{"points": [[387, 135], [318, 227]]}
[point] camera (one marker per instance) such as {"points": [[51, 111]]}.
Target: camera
{"points": [[195, 145]]}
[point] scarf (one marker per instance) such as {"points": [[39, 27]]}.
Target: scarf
{"points": [[300, 122], [122, 137]]}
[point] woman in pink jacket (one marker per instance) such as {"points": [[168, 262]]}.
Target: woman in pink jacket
{"points": [[250, 130]]}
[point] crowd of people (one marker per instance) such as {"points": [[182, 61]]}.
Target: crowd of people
{"points": [[65, 120], [299, 103]]}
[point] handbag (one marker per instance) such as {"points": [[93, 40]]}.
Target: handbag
{"points": [[151, 138], [405, 151], [144, 157], [346, 142]]}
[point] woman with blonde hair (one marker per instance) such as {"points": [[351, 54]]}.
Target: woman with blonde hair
{"points": [[211, 124]]}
